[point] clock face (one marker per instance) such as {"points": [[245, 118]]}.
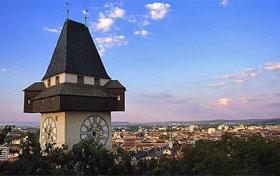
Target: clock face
{"points": [[48, 133], [95, 127]]}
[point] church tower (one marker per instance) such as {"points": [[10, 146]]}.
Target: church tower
{"points": [[76, 95]]}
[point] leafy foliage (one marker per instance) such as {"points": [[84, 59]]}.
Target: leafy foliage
{"points": [[4, 133], [231, 155]]}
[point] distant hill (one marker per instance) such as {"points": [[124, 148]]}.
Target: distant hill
{"points": [[212, 122], [117, 123], [202, 122], [20, 123]]}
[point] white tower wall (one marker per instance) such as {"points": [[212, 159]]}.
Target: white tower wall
{"points": [[68, 126]]}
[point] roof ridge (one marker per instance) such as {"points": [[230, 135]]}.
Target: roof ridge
{"points": [[66, 53]]}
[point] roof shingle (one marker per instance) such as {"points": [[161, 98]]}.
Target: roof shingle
{"points": [[114, 84], [75, 90], [76, 53], [37, 86]]}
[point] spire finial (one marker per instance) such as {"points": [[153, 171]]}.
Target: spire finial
{"points": [[85, 13], [67, 9]]}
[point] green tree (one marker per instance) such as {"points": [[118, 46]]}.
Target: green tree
{"points": [[92, 159], [123, 164], [5, 132]]}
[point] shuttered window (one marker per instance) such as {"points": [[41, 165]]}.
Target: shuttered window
{"points": [[57, 80], [49, 82], [97, 81], [80, 79]]}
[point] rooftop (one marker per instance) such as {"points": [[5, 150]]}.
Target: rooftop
{"points": [[75, 52]]}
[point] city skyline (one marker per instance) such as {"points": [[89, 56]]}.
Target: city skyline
{"points": [[202, 60]]}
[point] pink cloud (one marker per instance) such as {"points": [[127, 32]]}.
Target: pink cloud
{"points": [[217, 84], [166, 98], [231, 101], [231, 76], [273, 66], [239, 81], [223, 102], [249, 72], [276, 93], [256, 74], [250, 69], [242, 100]]}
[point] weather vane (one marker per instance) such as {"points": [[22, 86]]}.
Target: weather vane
{"points": [[85, 13], [67, 9]]}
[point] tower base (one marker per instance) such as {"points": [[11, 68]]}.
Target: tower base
{"points": [[68, 125]]}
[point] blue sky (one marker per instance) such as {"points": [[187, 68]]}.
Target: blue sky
{"points": [[180, 59]]}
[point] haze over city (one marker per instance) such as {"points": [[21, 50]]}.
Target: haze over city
{"points": [[179, 60]]}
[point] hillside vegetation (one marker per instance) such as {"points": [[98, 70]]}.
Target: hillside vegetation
{"points": [[254, 155]]}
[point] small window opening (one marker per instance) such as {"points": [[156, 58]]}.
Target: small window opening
{"points": [[97, 81], [118, 97], [57, 80], [28, 101], [80, 79], [49, 82]]}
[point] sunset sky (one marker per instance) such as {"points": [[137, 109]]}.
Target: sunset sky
{"points": [[180, 60]]}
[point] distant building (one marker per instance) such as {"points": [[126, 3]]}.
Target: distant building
{"points": [[192, 128], [4, 152], [211, 130], [220, 127]]}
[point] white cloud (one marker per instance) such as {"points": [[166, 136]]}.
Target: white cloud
{"points": [[132, 20], [51, 30], [107, 19], [110, 41], [144, 23], [273, 66], [224, 3], [158, 10], [14, 72], [142, 32], [116, 12], [104, 24], [101, 50], [113, 11], [217, 84]]}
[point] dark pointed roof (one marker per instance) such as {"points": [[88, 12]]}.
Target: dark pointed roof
{"points": [[76, 53]]}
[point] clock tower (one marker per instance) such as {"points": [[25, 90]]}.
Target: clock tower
{"points": [[76, 95]]}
